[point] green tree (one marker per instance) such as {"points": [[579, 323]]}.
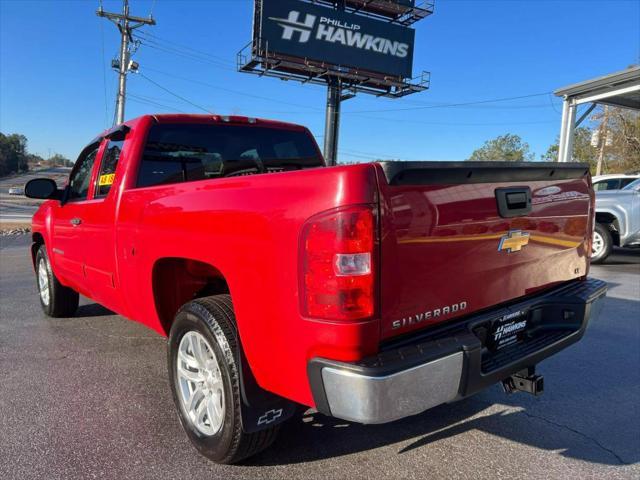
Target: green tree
{"points": [[621, 142], [58, 160], [505, 148], [623, 153], [13, 153], [583, 151], [34, 160]]}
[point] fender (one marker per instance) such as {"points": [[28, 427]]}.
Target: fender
{"points": [[620, 216]]}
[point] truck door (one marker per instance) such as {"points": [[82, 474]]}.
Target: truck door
{"points": [[67, 243], [99, 224]]}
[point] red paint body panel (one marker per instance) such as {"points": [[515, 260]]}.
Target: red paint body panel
{"points": [[437, 246]]}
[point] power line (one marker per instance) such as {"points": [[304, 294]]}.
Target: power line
{"points": [[474, 104], [450, 105], [143, 100], [552, 104], [178, 46], [483, 103], [394, 120], [158, 99], [451, 124], [185, 55], [371, 154], [235, 92], [104, 77], [175, 94]]}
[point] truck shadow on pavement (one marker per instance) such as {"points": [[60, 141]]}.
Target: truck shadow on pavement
{"points": [[588, 413], [314, 436]]}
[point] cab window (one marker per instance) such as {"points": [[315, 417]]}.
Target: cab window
{"points": [[80, 178], [176, 153], [612, 184], [626, 181], [107, 173]]}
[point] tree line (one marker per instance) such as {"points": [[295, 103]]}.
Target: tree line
{"points": [[613, 138], [15, 157]]}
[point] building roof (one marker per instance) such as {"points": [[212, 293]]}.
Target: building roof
{"points": [[620, 89]]}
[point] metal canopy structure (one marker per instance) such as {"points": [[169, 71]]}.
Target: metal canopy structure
{"points": [[619, 89]]}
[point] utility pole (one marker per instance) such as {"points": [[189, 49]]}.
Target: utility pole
{"points": [[603, 139], [124, 23]]}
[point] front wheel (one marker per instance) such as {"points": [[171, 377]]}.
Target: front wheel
{"points": [[56, 300], [602, 243], [205, 383]]}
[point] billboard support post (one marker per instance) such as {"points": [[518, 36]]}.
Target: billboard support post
{"points": [[332, 122]]}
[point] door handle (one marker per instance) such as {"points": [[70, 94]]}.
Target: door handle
{"points": [[75, 221]]}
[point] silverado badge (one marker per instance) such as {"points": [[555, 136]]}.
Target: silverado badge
{"points": [[513, 241]]}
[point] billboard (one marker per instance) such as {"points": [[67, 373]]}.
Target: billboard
{"points": [[383, 4], [304, 30]]}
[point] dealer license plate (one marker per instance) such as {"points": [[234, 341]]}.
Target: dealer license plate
{"points": [[507, 330]]}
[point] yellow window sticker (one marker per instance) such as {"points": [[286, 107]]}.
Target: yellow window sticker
{"points": [[106, 179]]}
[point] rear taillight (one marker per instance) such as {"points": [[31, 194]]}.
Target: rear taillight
{"points": [[337, 274]]}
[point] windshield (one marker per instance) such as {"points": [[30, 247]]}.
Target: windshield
{"points": [[188, 152], [635, 185]]}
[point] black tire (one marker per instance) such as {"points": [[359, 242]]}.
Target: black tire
{"points": [[214, 319], [63, 301], [604, 233]]}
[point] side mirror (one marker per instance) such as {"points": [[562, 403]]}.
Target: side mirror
{"points": [[42, 188]]}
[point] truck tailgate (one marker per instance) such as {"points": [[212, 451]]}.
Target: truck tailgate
{"points": [[460, 237]]}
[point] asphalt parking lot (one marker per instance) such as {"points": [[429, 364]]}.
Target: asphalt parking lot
{"points": [[87, 397]]}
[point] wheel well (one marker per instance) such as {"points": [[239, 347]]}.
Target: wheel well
{"points": [[179, 280], [38, 241], [611, 222]]}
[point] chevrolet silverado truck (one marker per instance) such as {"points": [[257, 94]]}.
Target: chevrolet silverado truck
{"points": [[369, 292]]}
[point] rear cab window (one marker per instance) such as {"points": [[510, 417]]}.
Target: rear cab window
{"points": [[186, 152]]}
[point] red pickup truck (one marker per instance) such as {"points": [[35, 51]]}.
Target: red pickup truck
{"points": [[369, 292]]}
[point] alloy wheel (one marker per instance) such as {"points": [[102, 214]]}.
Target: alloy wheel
{"points": [[199, 384], [43, 282], [597, 245]]}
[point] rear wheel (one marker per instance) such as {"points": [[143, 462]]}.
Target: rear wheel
{"points": [[56, 300], [204, 376], [602, 243]]}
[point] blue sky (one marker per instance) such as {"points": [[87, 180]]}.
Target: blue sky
{"points": [[57, 88]]}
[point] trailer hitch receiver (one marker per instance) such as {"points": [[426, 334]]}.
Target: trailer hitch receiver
{"points": [[524, 381]]}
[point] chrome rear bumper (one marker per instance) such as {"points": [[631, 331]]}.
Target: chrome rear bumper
{"points": [[368, 399], [452, 362]]}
